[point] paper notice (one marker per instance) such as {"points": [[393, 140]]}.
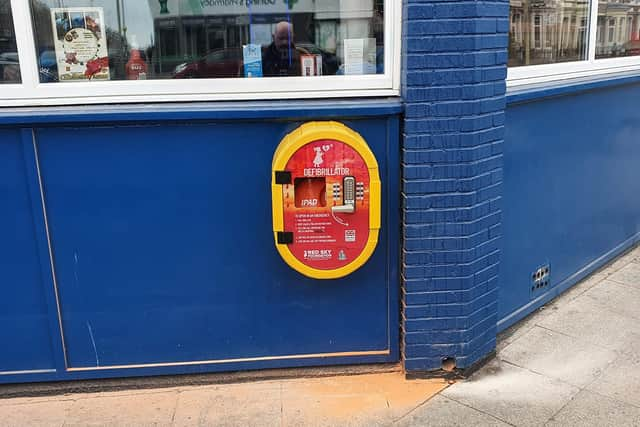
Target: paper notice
{"points": [[359, 56], [353, 56]]}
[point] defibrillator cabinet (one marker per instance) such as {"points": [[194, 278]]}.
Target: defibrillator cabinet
{"points": [[326, 194]]}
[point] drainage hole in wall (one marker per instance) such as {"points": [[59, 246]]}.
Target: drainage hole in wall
{"points": [[448, 364]]}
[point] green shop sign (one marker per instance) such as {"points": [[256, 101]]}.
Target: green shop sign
{"points": [[231, 7]]}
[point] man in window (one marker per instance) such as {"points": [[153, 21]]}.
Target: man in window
{"points": [[281, 58]]}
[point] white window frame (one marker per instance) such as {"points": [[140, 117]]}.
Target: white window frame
{"points": [[549, 73], [33, 93]]}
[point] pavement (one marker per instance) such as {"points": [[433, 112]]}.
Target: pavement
{"points": [[575, 362], [376, 399]]}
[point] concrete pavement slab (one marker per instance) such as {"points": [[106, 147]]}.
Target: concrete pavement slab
{"points": [[343, 410], [41, 414], [250, 404], [621, 299], [364, 400], [591, 409], [150, 409], [443, 412], [583, 286], [585, 319], [559, 356], [634, 255], [36, 399], [621, 381], [621, 261], [628, 275], [519, 329], [631, 347], [513, 394]]}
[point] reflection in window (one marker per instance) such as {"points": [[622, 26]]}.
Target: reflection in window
{"points": [[618, 33], [185, 39], [545, 31], [9, 65]]}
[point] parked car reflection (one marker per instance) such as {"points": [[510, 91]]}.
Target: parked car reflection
{"points": [[228, 62], [218, 63]]}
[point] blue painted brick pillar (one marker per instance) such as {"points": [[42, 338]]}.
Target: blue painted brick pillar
{"points": [[454, 69]]}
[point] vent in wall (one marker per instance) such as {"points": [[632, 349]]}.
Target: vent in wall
{"points": [[540, 280]]}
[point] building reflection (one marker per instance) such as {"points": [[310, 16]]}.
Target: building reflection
{"points": [[9, 67], [550, 31]]}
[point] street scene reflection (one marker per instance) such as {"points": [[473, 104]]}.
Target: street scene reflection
{"points": [[192, 39], [9, 65], [550, 31]]}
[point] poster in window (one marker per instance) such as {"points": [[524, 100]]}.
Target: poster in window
{"points": [[252, 58], [80, 43], [359, 56], [308, 65]]}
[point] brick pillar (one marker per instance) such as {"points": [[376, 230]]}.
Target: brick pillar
{"points": [[454, 68]]}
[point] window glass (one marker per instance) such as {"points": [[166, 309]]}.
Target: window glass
{"points": [[189, 39], [9, 65], [618, 33], [547, 31]]}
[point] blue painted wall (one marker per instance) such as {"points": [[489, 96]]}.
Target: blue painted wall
{"points": [[571, 186], [24, 334], [454, 65], [162, 248]]}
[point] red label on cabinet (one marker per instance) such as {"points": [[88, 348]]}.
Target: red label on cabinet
{"points": [[326, 205]]}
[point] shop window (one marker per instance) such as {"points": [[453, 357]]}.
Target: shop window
{"points": [[550, 38], [572, 39], [9, 63], [118, 51], [107, 40], [621, 30]]}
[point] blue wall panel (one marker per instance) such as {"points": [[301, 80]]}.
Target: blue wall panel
{"points": [[164, 251], [24, 330], [572, 180]]}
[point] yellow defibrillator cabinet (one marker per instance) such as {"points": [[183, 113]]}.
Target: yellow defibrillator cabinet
{"points": [[326, 195]]}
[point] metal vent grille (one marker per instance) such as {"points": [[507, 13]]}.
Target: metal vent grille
{"points": [[540, 279]]}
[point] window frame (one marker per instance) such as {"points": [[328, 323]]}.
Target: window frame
{"points": [[33, 93], [589, 67]]}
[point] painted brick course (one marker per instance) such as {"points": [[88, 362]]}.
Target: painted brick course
{"points": [[454, 70]]}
